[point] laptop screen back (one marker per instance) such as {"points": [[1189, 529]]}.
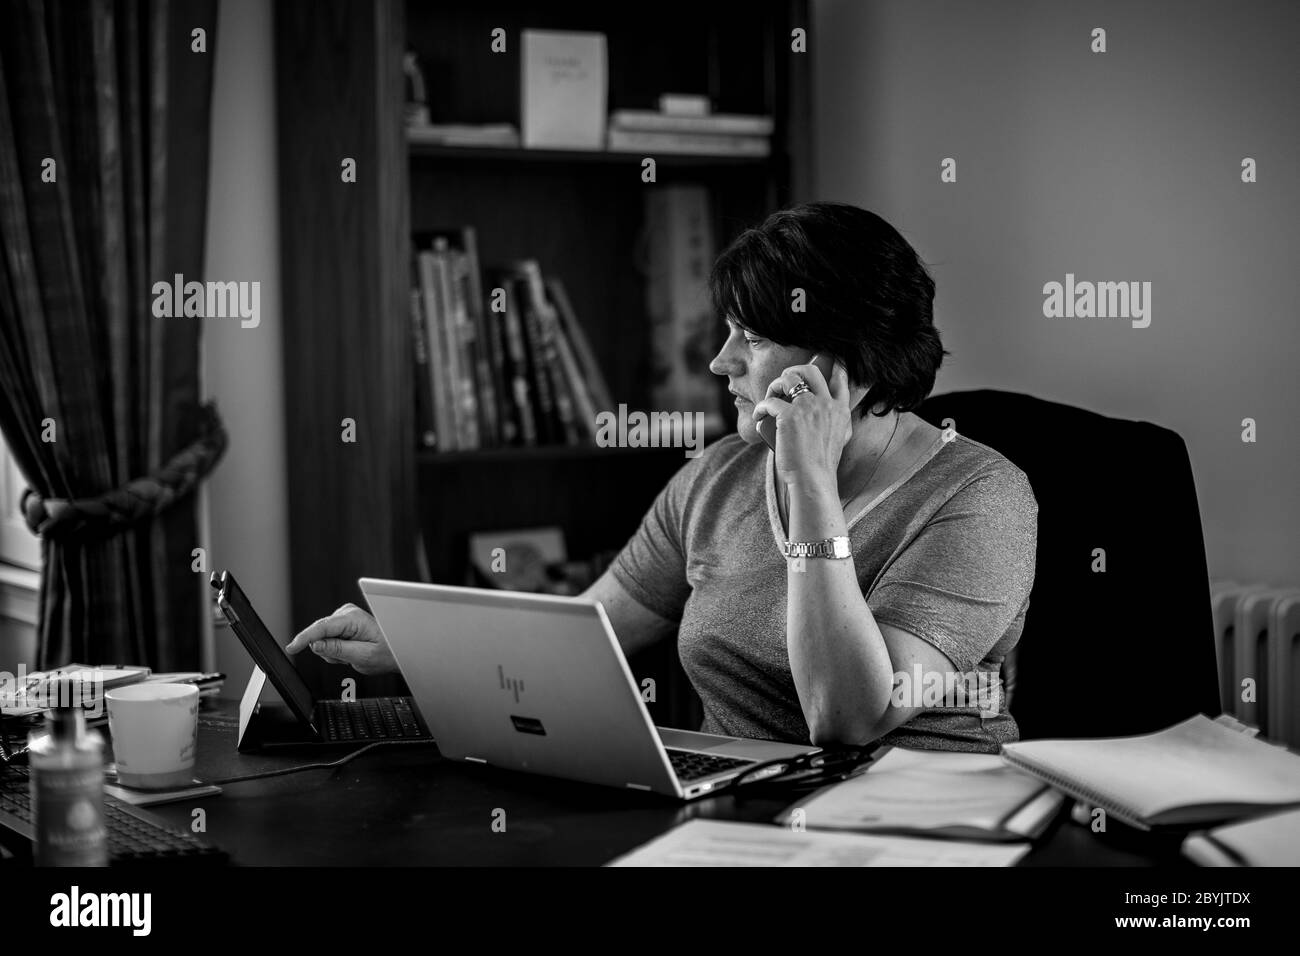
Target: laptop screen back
{"points": [[523, 681]]}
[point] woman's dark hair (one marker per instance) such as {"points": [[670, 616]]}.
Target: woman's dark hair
{"points": [[867, 297]]}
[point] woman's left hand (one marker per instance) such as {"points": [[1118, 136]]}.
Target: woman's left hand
{"points": [[813, 429]]}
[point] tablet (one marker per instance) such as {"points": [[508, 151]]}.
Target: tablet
{"points": [[264, 648]]}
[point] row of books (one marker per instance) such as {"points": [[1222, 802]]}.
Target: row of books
{"points": [[713, 134], [502, 366], [629, 131]]}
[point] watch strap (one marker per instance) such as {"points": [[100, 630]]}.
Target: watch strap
{"points": [[837, 547]]}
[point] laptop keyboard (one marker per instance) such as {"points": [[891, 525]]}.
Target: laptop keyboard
{"points": [[133, 836], [371, 718], [689, 765]]}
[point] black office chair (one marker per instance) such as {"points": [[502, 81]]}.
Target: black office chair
{"points": [[1124, 651]]}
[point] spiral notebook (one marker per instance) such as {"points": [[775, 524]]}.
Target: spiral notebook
{"points": [[1195, 773]]}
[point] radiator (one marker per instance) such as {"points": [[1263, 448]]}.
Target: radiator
{"points": [[1257, 638]]}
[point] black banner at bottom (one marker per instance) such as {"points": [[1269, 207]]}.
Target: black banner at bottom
{"points": [[332, 905]]}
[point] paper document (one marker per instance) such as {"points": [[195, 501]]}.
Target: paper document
{"points": [[724, 843], [76, 685], [1271, 840], [938, 793], [1197, 771]]}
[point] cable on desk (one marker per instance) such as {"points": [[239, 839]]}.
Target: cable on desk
{"points": [[282, 771]]}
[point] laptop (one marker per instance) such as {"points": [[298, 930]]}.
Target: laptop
{"points": [[307, 722], [539, 683]]}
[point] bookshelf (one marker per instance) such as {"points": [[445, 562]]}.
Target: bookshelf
{"points": [[355, 507]]}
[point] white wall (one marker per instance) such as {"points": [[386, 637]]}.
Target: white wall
{"points": [[1115, 166], [247, 495]]}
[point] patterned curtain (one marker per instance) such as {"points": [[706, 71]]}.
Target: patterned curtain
{"points": [[103, 191]]}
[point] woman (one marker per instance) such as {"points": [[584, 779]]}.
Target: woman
{"points": [[923, 540]]}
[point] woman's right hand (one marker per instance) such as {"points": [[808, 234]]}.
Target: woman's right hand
{"points": [[348, 636]]}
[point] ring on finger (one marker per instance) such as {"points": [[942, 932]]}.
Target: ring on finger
{"points": [[799, 390]]}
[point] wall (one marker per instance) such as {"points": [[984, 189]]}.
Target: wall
{"points": [[1116, 166], [246, 497], [19, 603]]}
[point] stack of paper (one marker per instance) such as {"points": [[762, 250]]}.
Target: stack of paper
{"points": [[464, 134], [74, 685], [723, 843], [934, 793]]}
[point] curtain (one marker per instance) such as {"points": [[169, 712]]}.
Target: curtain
{"points": [[104, 110]]}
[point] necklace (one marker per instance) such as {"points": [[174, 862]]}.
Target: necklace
{"points": [[876, 467], [783, 497]]}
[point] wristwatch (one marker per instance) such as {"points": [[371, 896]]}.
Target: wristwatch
{"points": [[837, 547]]}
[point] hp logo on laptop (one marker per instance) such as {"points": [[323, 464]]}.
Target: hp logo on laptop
{"points": [[510, 683]]}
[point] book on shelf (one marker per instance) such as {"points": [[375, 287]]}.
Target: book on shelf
{"points": [[683, 324], [656, 121], [589, 368], [493, 347], [504, 366], [516, 360], [479, 345], [547, 348], [699, 144], [584, 402], [550, 430], [459, 355], [684, 104], [564, 86], [425, 423], [497, 135], [442, 397], [459, 344]]}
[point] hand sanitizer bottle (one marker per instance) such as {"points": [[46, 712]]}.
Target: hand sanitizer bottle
{"points": [[67, 787]]}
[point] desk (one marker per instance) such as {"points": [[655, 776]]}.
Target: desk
{"points": [[405, 805]]}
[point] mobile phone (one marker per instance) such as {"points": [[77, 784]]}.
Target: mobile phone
{"points": [[767, 425]]}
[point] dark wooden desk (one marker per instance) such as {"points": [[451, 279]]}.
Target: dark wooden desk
{"points": [[405, 805]]}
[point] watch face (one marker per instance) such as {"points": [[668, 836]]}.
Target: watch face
{"points": [[841, 547]]}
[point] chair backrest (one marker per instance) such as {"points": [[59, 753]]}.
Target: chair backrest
{"points": [[1122, 651]]}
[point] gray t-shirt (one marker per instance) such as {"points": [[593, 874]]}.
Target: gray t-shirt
{"points": [[945, 553]]}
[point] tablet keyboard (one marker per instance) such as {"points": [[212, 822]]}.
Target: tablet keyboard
{"points": [[371, 718]]}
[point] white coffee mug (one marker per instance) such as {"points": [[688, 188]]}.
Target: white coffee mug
{"points": [[154, 729]]}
